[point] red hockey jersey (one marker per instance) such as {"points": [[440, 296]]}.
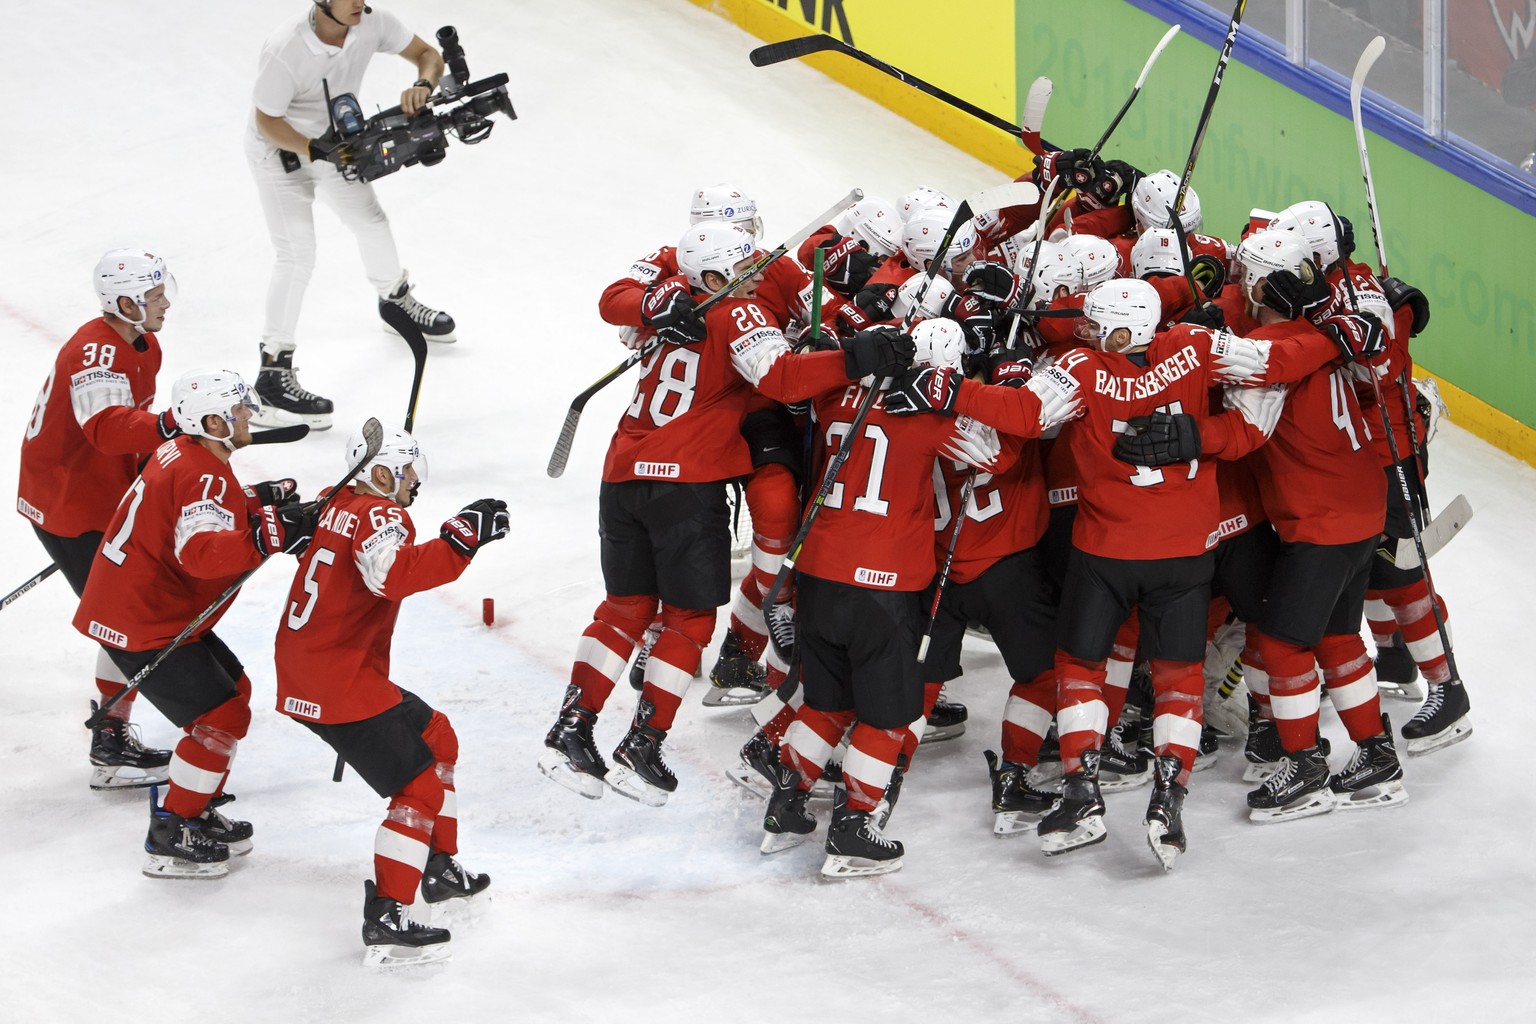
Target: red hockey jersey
{"points": [[1007, 512], [181, 534], [332, 648], [88, 431]]}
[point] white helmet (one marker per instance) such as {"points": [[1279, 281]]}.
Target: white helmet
{"points": [[398, 451], [877, 224], [922, 234], [209, 393], [130, 272], [940, 343], [1264, 252], [934, 299], [1100, 258], [1056, 267], [722, 202], [1153, 195], [924, 198], [1157, 252], [713, 245], [1314, 222], [1123, 302]]}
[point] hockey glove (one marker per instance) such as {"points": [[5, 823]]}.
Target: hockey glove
{"points": [[1296, 296], [1070, 168], [1012, 373], [669, 310], [848, 266], [878, 352], [1207, 314], [1209, 273], [1129, 175], [1360, 336], [272, 492], [477, 524], [332, 148], [1104, 190], [992, 282], [1400, 293], [1160, 439], [166, 423], [1346, 236], [288, 528], [875, 301], [931, 389]]}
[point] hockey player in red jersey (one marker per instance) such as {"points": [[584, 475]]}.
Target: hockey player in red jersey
{"points": [[662, 505], [333, 655], [81, 450], [184, 531]]}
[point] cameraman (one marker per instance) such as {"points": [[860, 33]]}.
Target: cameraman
{"points": [[293, 154]]}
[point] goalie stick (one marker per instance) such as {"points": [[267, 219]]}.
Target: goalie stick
{"points": [[1210, 102], [562, 453], [373, 435]]}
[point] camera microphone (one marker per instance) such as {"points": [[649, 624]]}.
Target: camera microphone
{"points": [[367, 9]]}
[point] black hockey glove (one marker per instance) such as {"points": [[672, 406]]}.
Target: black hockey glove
{"points": [[1209, 273], [477, 524], [1346, 236], [878, 352], [1400, 293], [1296, 296], [1360, 336], [273, 492], [875, 301], [1129, 175], [669, 310], [1160, 439], [332, 148], [1207, 314], [166, 423], [931, 389], [288, 528], [1070, 168], [992, 282], [847, 266]]}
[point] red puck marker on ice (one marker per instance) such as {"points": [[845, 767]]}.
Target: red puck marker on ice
{"points": [[488, 611]]}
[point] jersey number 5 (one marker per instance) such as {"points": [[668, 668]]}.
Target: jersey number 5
{"points": [[298, 616]]}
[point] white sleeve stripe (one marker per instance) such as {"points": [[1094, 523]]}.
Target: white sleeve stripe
{"points": [[376, 556]]}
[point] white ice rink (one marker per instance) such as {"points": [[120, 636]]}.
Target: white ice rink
{"points": [[125, 125]]}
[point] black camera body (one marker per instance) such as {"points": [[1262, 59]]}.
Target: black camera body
{"points": [[391, 139]]}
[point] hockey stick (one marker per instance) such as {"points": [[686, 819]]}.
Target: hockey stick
{"points": [[53, 567], [804, 46], [281, 435], [1210, 102], [562, 453], [402, 324], [1162, 44], [1011, 194], [373, 435], [949, 560]]}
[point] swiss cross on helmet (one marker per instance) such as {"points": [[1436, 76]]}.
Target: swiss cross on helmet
{"points": [[1100, 258], [1155, 193], [1265, 251], [713, 246], [1314, 221]]}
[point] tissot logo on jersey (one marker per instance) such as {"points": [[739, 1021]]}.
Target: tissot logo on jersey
{"points": [[203, 511], [1158, 377]]}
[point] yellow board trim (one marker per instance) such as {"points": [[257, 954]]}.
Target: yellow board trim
{"points": [[763, 19]]}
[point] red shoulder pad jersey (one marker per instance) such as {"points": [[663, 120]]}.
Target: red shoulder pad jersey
{"points": [[876, 528], [620, 302], [180, 536], [1007, 512], [82, 446], [1371, 298], [332, 649], [684, 419], [1319, 481]]}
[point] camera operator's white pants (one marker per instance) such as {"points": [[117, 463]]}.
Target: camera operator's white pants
{"points": [[288, 201]]}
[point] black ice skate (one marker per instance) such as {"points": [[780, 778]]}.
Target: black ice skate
{"points": [[120, 761], [234, 834], [177, 847], [786, 822], [1017, 806], [1373, 777], [1205, 754], [1165, 812], [1124, 763], [1297, 789], [435, 325], [1077, 818], [284, 400], [1442, 720], [393, 940], [855, 846], [1397, 675], [638, 771], [737, 679], [759, 762], [445, 879], [571, 757], [946, 721]]}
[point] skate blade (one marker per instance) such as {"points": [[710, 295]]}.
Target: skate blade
{"points": [[1454, 733], [631, 786], [106, 777], [1109, 782], [732, 696], [1258, 771], [1304, 807], [1087, 833], [1384, 795], [241, 848], [388, 957], [1204, 761], [937, 734], [1413, 691], [157, 866], [1014, 823], [557, 769], [747, 778], [839, 866], [777, 842], [1166, 853]]}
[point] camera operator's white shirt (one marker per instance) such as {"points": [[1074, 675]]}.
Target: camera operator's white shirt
{"points": [[294, 62]]}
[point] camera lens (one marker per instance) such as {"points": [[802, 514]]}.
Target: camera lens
{"points": [[448, 36]]}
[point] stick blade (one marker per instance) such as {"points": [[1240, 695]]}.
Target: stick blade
{"points": [[401, 323], [792, 49], [562, 453], [373, 437], [281, 435], [1368, 57]]}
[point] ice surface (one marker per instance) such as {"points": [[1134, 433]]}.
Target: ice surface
{"points": [[127, 122]]}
